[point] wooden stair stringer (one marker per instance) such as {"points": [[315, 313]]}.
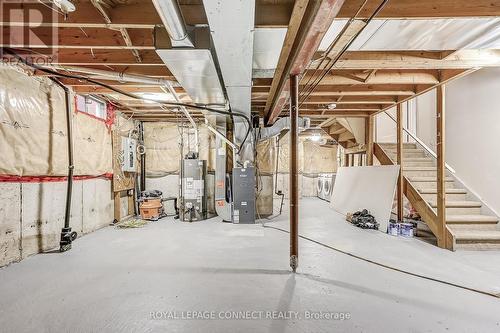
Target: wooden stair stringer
{"points": [[418, 202]]}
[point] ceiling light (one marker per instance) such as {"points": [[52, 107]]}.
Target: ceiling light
{"points": [[315, 137], [331, 106]]}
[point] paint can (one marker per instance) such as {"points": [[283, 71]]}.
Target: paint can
{"points": [[406, 229], [393, 229]]}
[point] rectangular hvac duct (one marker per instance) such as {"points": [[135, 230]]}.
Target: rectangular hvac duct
{"points": [[194, 68], [232, 25]]}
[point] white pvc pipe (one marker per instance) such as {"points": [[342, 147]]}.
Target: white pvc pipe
{"points": [[169, 87], [121, 77]]}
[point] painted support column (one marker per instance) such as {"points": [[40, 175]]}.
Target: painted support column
{"points": [[369, 140], [400, 154], [441, 168], [294, 175]]}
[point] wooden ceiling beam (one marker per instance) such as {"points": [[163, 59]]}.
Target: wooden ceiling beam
{"points": [[343, 99], [461, 59], [445, 76], [309, 22], [424, 9], [354, 90], [104, 57]]}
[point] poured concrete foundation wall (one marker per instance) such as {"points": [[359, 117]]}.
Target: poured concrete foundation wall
{"points": [[307, 185], [169, 186], [32, 214]]}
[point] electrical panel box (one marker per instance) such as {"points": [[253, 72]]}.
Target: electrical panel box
{"points": [[244, 195], [193, 191], [129, 154]]}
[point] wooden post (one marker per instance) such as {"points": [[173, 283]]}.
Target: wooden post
{"points": [[346, 160], [399, 136], [369, 140], [294, 172], [117, 207], [131, 205], [441, 169]]}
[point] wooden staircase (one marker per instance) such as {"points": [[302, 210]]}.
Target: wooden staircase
{"points": [[469, 225]]}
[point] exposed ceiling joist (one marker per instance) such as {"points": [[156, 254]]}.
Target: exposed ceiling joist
{"points": [[309, 22]]}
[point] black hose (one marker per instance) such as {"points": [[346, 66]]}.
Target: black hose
{"points": [[67, 236], [134, 96], [390, 267], [69, 129], [280, 193], [143, 158]]}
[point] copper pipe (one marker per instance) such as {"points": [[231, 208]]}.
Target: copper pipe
{"points": [[294, 176]]}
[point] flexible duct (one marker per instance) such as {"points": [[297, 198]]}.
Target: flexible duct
{"points": [[172, 91], [281, 125], [222, 206]]}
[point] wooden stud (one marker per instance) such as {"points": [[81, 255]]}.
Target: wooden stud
{"points": [[399, 135], [441, 169], [117, 207], [131, 204], [369, 140]]}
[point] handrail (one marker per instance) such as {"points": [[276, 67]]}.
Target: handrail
{"points": [[420, 142]]}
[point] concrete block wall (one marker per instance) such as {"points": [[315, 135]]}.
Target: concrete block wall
{"points": [[32, 214]]}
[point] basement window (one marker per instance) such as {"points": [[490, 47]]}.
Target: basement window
{"points": [[91, 106]]}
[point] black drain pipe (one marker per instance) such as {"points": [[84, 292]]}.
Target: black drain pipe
{"points": [[143, 158], [67, 237]]}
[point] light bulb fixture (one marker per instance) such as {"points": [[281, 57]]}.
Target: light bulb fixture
{"points": [[315, 137], [331, 106]]}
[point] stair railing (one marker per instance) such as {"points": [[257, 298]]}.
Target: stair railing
{"points": [[420, 142]]}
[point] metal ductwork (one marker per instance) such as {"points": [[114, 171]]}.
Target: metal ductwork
{"points": [[233, 41], [194, 67], [222, 202], [171, 17], [280, 125]]}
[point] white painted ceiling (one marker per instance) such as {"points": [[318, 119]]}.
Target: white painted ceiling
{"points": [[422, 34], [267, 44]]}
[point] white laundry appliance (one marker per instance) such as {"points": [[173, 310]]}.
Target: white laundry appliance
{"points": [[319, 186], [328, 181]]}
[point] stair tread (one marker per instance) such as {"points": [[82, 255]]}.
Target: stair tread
{"points": [[476, 234], [418, 159], [471, 218], [419, 168], [428, 179], [458, 203], [448, 191]]}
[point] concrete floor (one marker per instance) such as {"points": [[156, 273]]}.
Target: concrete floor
{"points": [[113, 279]]}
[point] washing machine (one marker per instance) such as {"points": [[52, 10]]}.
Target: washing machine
{"points": [[319, 186], [328, 181]]}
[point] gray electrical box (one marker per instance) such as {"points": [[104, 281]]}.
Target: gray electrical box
{"points": [[193, 203], [244, 195]]}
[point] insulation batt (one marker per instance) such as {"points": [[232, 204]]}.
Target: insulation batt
{"points": [[33, 138]]}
